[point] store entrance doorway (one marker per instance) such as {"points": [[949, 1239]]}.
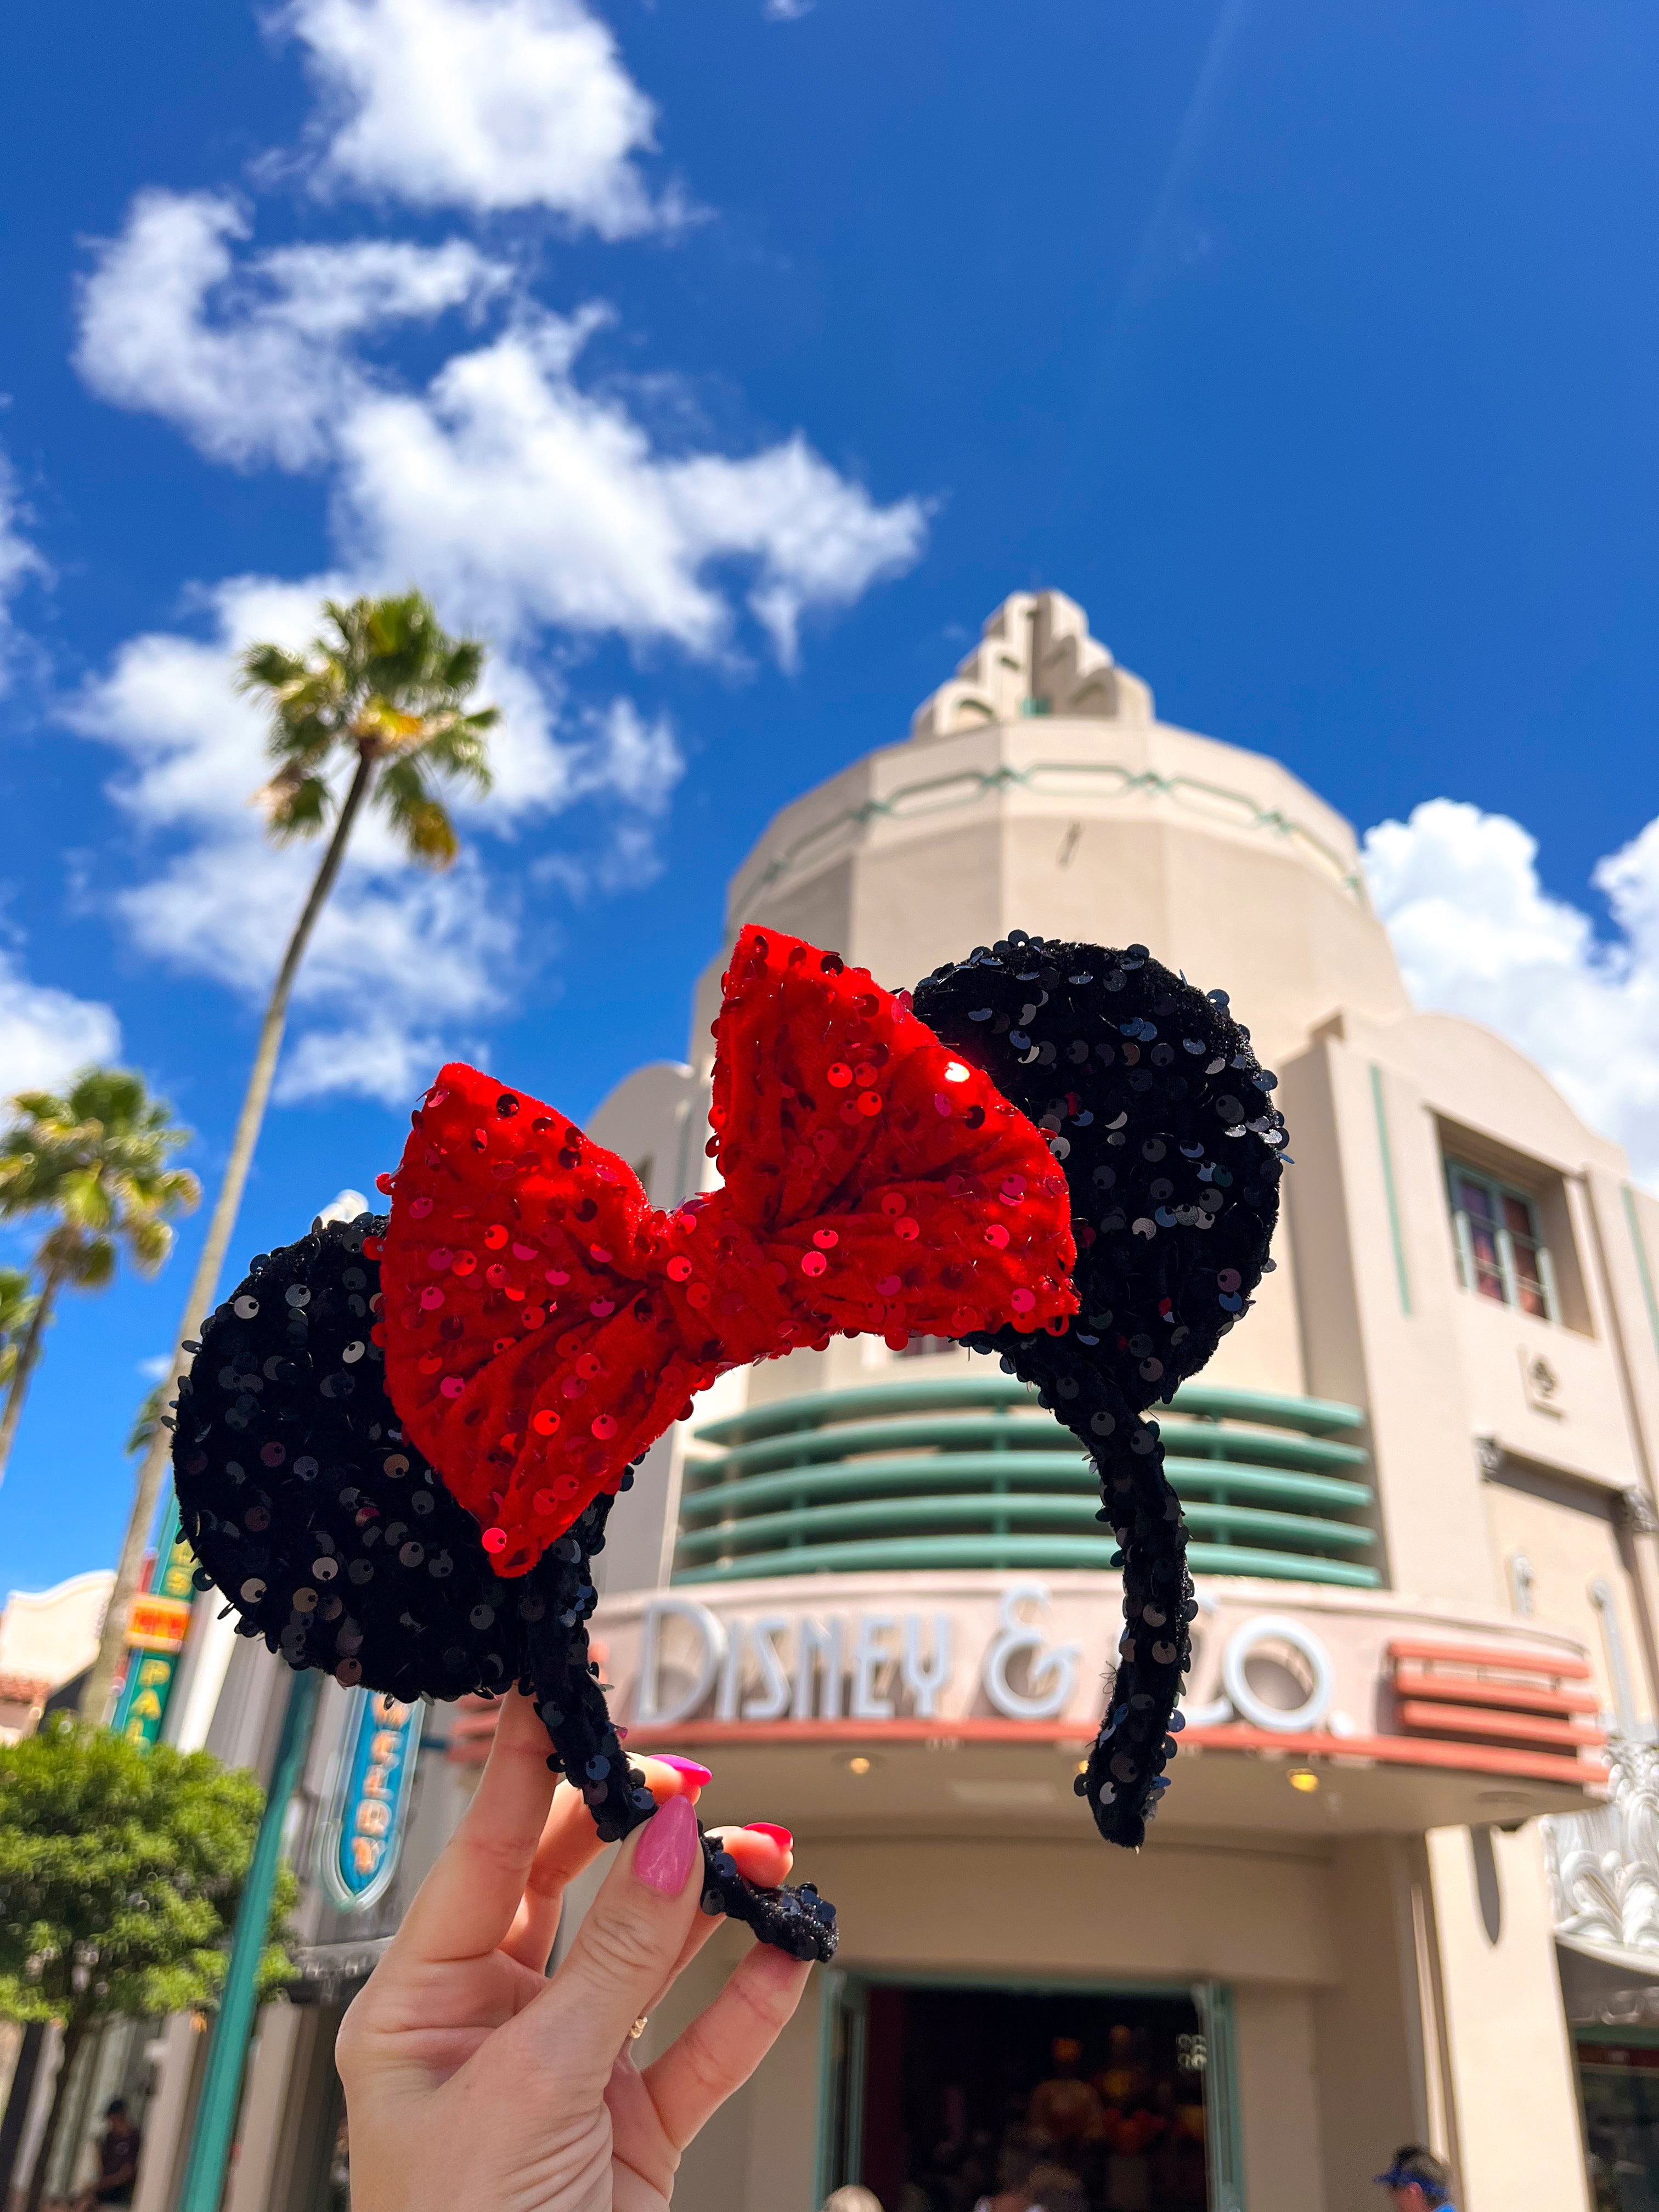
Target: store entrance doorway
{"points": [[1076, 2100]]}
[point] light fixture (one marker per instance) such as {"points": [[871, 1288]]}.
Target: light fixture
{"points": [[1303, 1779], [858, 1764]]}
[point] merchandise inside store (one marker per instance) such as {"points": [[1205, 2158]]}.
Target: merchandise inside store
{"points": [[1088, 2102], [1619, 2082]]}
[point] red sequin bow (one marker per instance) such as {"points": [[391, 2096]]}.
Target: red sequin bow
{"points": [[544, 1325]]}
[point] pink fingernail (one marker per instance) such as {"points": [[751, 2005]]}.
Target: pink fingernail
{"points": [[689, 1767], [781, 1837], [666, 1852]]}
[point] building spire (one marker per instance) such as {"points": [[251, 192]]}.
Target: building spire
{"points": [[1034, 657]]}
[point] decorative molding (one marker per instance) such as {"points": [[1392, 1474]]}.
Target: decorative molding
{"points": [[1604, 1865], [1489, 1458], [1540, 1382], [327, 1972], [1638, 1511], [1108, 779]]}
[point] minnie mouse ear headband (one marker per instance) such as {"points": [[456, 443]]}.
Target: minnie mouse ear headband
{"points": [[1158, 1111], [399, 1441]]}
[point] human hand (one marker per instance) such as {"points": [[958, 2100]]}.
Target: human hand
{"points": [[472, 2080]]}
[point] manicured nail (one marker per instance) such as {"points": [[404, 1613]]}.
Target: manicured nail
{"points": [[781, 1837], [688, 1767], [667, 1850]]}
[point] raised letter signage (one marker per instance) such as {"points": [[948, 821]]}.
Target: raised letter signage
{"points": [[364, 1831]]}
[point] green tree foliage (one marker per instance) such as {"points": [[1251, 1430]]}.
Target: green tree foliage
{"points": [[120, 1871], [374, 712], [95, 1162]]}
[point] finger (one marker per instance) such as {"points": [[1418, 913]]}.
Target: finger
{"points": [[569, 1845], [761, 1857], [763, 1854], [640, 1918], [725, 2043], [468, 1902]]}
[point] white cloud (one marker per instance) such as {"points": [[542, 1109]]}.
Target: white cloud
{"points": [[523, 500], [19, 561], [18, 558], [1477, 935], [786, 11], [252, 360], [637, 761], [520, 501], [47, 1034], [517, 497], [382, 1058], [482, 103]]}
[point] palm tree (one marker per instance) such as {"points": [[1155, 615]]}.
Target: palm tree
{"points": [[382, 692], [17, 1305], [96, 1161]]}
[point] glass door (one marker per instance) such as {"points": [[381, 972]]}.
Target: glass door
{"points": [[934, 2094], [1619, 2080]]}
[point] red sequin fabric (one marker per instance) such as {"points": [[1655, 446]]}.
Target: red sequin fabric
{"points": [[544, 1325]]}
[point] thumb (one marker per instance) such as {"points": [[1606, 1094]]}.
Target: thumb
{"points": [[636, 1925]]}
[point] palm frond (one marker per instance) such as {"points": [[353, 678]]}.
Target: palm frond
{"points": [[382, 682], [97, 1160], [428, 835], [296, 804]]}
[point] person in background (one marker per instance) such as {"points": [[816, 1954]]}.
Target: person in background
{"points": [[1065, 2109], [1056, 2188], [1417, 2181], [852, 2198], [1014, 2192], [117, 2158]]}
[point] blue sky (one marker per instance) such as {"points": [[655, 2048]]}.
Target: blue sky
{"points": [[724, 366]]}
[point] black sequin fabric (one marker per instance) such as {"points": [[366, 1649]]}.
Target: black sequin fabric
{"points": [[1163, 1122], [336, 1541]]}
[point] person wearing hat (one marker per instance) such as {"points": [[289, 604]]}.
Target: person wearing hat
{"points": [[1417, 2181]]}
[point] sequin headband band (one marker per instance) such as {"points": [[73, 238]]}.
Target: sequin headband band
{"points": [[400, 1440]]}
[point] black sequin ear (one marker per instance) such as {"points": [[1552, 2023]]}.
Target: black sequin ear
{"points": [[303, 1500], [335, 1540], [1161, 1119]]}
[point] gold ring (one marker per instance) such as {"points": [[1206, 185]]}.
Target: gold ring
{"points": [[638, 2028]]}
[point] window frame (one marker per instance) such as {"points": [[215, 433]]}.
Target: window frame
{"points": [[1468, 1268]]}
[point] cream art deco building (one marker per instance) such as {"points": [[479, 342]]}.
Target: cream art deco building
{"points": [[1404, 1886]]}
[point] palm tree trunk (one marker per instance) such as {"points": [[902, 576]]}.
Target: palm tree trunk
{"points": [[74, 2034], [27, 1353], [101, 1687]]}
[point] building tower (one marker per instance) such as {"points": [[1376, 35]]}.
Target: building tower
{"points": [[869, 1584]]}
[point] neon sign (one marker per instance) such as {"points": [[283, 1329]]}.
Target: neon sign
{"points": [[363, 1835]]}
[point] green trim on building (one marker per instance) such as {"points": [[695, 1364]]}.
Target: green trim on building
{"points": [[967, 1470], [966, 787], [1397, 1235], [1633, 1224]]}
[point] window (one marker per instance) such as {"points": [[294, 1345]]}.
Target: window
{"points": [[1500, 1255]]}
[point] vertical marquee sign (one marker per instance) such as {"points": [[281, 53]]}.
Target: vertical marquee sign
{"points": [[364, 1831], [156, 1635]]}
